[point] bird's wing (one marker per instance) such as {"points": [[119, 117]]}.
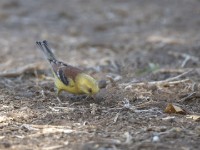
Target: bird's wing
{"points": [[64, 72]]}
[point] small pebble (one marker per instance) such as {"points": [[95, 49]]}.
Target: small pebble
{"points": [[156, 138]]}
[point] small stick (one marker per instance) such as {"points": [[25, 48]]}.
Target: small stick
{"points": [[20, 71], [179, 76], [171, 70], [186, 56], [128, 85], [189, 97]]}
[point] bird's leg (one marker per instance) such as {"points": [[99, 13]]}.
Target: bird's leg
{"points": [[58, 92], [57, 95]]}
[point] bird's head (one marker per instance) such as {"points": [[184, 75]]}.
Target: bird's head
{"points": [[87, 84]]}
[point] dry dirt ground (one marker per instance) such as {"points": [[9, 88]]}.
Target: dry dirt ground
{"points": [[147, 51]]}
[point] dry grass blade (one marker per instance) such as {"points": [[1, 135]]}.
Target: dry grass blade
{"points": [[53, 147]]}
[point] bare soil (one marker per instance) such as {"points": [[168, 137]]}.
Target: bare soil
{"points": [[147, 51]]}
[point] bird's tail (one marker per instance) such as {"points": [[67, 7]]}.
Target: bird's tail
{"points": [[46, 50]]}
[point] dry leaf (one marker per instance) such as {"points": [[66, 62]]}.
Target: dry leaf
{"points": [[171, 108], [194, 117]]}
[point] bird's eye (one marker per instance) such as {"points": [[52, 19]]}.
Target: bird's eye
{"points": [[90, 90]]}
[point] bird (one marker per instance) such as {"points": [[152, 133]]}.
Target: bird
{"points": [[66, 77]]}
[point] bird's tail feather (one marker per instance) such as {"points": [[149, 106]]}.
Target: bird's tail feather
{"points": [[46, 50]]}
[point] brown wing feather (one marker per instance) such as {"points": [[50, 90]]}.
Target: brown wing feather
{"points": [[64, 71]]}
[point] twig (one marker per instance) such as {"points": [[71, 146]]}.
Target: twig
{"points": [[171, 70], [106, 141], [129, 85], [179, 76], [166, 81], [184, 55], [5, 64], [189, 97], [185, 61], [53, 147], [20, 71], [116, 117]]}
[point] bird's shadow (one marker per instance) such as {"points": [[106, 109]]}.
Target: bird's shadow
{"points": [[79, 99]]}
